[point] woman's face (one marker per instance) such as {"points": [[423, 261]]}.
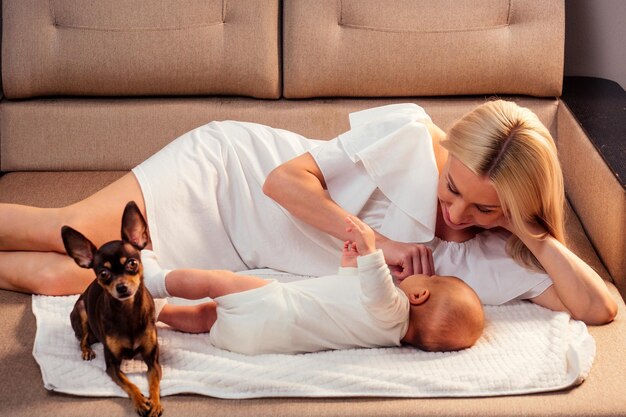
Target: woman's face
{"points": [[465, 199]]}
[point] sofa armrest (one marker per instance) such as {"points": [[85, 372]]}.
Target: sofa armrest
{"points": [[592, 151]]}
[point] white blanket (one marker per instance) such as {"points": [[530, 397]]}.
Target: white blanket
{"points": [[524, 349]]}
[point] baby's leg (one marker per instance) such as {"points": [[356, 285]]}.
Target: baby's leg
{"points": [[191, 319], [194, 284]]}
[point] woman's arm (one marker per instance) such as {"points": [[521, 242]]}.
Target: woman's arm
{"points": [[299, 186], [577, 288]]}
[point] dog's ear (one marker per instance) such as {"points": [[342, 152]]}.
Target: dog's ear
{"points": [[78, 247], [134, 228]]}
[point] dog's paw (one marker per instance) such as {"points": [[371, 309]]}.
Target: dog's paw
{"points": [[142, 406], [88, 354], [156, 410]]}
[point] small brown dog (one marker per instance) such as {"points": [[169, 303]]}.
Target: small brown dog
{"points": [[116, 309]]}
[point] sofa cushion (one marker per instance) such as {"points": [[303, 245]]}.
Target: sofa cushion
{"points": [[166, 47], [416, 48]]}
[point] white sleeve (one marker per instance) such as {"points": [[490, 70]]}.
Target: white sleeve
{"points": [[380, 296], [348, 183], [389, 148]]}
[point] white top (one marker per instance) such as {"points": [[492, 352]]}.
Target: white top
{"points": [[333, 312], [359, 164], [482, 262], [206, 207]]}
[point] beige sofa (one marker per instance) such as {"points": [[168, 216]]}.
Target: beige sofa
{"points": [[93, 88]]}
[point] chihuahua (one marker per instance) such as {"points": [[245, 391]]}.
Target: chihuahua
{"points": [[116, 309]]}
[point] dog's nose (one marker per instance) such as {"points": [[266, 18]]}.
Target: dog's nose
{"points": [[121, 289]]}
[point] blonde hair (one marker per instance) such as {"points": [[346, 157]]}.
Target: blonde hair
{"points": [[509, 145]]}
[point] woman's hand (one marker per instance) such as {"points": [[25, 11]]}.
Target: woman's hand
{"points": [[406, 259]]}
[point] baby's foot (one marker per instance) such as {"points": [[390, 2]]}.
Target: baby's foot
{"points": [[349, 255], [153, 274]]}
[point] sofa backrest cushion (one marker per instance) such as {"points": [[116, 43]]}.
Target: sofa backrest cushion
{"points": [[115, 135], [421, 48], [140, 47]]}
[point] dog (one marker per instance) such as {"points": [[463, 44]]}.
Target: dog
{"points": [[116, 309]]}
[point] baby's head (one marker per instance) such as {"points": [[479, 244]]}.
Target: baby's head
{"points": [[446, 314]]}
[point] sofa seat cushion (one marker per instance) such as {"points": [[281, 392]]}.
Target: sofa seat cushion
{"points": [[601, 394]]}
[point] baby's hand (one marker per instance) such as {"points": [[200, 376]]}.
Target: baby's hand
{"points": [[349, 254], [361, 235]]}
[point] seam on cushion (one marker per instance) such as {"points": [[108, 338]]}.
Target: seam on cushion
{"points": [[377, 29], [508, 14], [140, 29], [57, 24]]}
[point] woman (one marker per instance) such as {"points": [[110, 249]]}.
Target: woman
{"points": [[204, 196]]}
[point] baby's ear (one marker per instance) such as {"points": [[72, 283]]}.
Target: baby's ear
{"points": [[419, 297]]}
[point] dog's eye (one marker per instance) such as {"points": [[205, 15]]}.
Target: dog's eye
{"points": [[104, 274], [132, 265]]}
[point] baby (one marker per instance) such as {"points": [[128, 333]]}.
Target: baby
{"points": [[359, 307]]}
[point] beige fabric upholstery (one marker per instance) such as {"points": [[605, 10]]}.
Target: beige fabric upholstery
{"points": [[597, 196], [23, 394], [430, 47], [123, 49], [98, 134], [143, 47]]}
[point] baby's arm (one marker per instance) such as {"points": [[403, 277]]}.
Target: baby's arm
{"points": [[379, 294]]}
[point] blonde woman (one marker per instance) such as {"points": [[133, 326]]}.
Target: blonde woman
{"points": [[486, 203]]}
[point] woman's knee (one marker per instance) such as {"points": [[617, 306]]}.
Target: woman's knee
{"points": [[98, 216], [62, 278]]}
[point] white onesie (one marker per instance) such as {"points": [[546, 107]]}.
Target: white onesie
{"points": [[331, 312]]}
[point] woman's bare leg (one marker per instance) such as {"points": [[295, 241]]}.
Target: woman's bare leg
{"points": [[46, 270], [48, 273], [98, 217]]}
